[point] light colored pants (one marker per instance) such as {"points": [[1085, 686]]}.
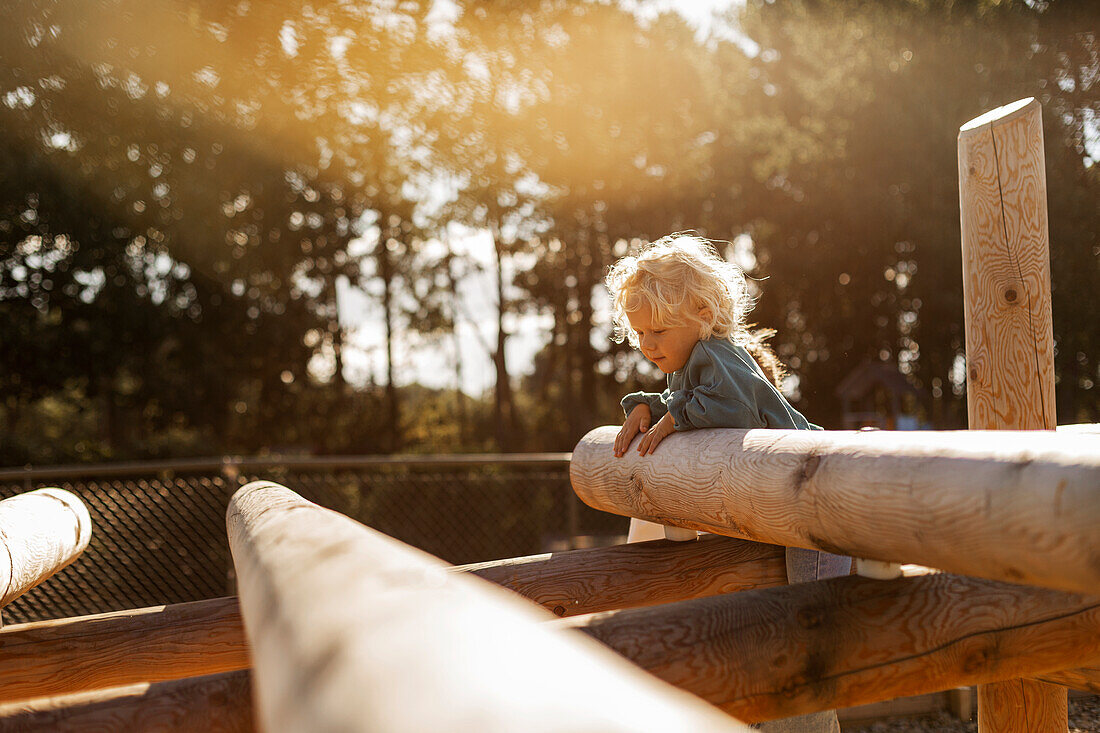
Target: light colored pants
{"points": [[802, 566]]}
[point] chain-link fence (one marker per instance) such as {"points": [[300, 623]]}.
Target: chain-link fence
{"points": [[158, 529]]}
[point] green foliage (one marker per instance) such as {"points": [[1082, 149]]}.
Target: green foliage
{"points": [[182, 189]]}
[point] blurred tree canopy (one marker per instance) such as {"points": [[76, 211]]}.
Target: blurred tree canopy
{"points": [[186, 186]]}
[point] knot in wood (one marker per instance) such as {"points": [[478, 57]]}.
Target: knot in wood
{"points": [[808, 618], [977, 660], [1010, 295], [559, 610], [790, 689]]}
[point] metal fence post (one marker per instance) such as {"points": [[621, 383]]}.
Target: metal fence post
{"points": [[571, 502], [231, 476]]}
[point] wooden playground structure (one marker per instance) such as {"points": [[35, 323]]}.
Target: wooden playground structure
{"points": [[338, 627]]}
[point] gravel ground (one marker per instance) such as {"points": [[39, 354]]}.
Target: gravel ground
{"points": [[1084, 717]]}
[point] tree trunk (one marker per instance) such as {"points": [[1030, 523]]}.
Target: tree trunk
{"points": [[503, 407], [393, 407], [460, 396]]}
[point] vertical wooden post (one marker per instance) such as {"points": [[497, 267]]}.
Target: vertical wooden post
{"points": [[1009, 331]]}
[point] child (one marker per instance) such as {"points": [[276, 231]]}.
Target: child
{"points": [[684, 307]]}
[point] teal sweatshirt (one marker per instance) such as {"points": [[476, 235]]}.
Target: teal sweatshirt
{"points": [[721, 386]]}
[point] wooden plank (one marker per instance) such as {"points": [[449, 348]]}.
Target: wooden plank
{"points": [[213, 704], [790, 650], [62, 656], [40, 533], [640, 574], [1009, 331], [956, 500], [351, 630]]}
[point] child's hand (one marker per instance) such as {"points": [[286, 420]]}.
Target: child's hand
{"points": [[664, 428], [636, 422]]}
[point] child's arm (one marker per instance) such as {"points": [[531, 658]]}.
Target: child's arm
{"points": [[723, 397], [641, 409], [636, 422], [664, 428]]}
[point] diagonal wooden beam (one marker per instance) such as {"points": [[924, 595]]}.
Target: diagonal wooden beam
{"points": [[639, 574], [790, 650], [352, 630], [219, 703], [71, 655], [40, 533]]}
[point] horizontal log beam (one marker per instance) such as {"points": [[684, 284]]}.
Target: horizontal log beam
{"points": [[40, 533], [63, 656], [1085, 678], [352, 630], [1018, 506], [796, 649], [213, 704], [639, 574]]}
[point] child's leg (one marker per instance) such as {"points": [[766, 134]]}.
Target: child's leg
{"points": [[804, 566]]}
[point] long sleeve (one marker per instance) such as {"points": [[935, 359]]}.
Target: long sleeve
{"points": [[715, 400], [721, 386], [655, 401]]}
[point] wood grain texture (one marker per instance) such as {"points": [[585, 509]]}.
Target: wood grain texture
{"points": [[1016, 506], [351, 630], [1022, 706], [640, 574], [63, 656], [212, 704], [1006, 272], [40, 532], [789, 650], [1009, 329], [1085, 678]]}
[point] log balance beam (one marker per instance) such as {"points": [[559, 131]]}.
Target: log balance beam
{"points": [[40, 532], [218, 703], [766, 654], [353, 630], [1017, 506], [64, 656], [640, 574]]}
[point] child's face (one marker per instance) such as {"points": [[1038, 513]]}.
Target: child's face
{"points": [[666, 346]]}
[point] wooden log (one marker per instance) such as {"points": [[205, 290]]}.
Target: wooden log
{"points": [[641, 574], [796, 649], [351, 630], [960, 501], [64, 656], [1085, 678], [213, 704], [41, 532], [1009, 330]]}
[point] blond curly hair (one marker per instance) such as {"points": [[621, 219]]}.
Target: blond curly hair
{"points": [[677, 277], [684, 280]]}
